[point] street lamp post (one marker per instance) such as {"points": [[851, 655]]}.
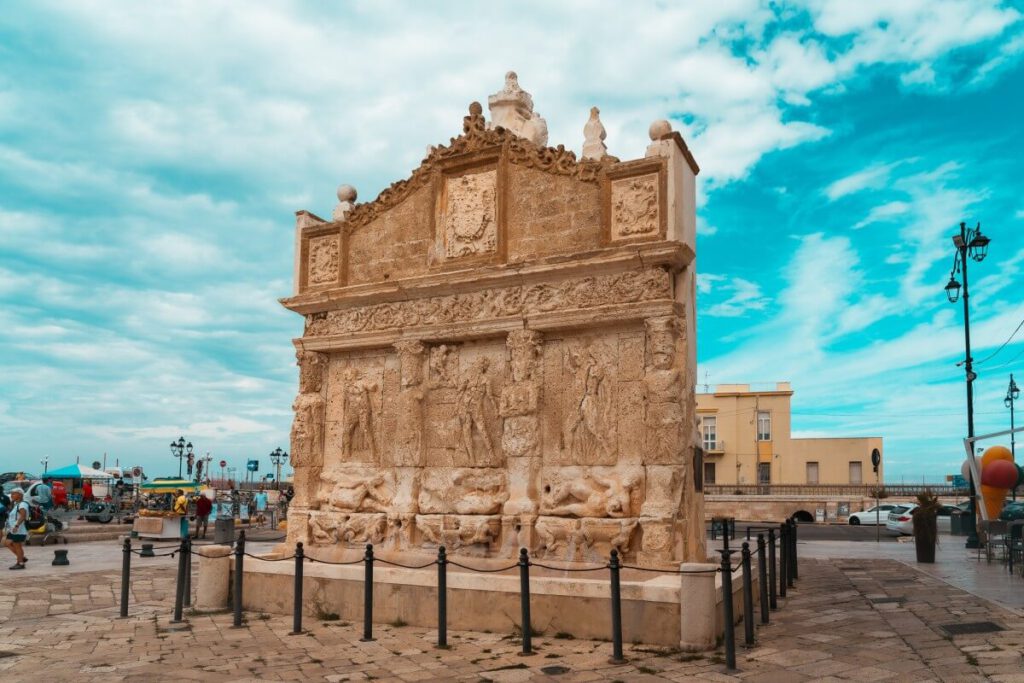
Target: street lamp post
{"points": [[1012, 394], [968, 243], [181, 450], [45, 462], [277, 456]]}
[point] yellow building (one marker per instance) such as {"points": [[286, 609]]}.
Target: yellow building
{"points": [[747, 439]]}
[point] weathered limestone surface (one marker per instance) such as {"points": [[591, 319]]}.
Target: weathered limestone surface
{"points": [[499, 352]]}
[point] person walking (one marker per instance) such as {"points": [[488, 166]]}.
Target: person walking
{"points": [[17, 529], [86, 492], [260, 500], [181, 508], [203, 509]]}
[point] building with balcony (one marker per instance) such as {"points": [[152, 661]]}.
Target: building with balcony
{"points": [[747, 440]]}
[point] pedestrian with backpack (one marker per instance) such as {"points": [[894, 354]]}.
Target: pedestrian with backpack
{"points": [[17, 529]]}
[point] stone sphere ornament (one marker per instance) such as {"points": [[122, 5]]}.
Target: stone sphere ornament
{"points": [[659, 129], [346, 193]]}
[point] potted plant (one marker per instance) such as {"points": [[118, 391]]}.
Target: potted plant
{"points": [[926, 531]]}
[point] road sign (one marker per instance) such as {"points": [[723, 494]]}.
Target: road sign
{"points": [[223, 463], [136, 472], [253, 465], [96, 464]]}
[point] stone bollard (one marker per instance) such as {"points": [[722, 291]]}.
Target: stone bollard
{"points": [[214, 577], [698, 607]]}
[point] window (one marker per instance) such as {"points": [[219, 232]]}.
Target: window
{"points": [[764, 425], [709, 431], [764, 473], [709, 473], [812, 473], [855, 473]]}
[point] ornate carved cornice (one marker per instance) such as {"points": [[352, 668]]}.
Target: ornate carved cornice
{"points": [[648, 284], [476, 137]]}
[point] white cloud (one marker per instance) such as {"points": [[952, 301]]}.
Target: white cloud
{"points": [[705, 282], [883, 212], [743, 296], [870, 178]]}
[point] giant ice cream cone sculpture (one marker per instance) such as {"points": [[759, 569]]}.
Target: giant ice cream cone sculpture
{"points": [[998, 475]]}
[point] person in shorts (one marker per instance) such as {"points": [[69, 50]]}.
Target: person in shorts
{"points": [[17, 529]]}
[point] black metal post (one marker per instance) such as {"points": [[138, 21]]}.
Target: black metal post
{"points": [[796, 562], [772, 601], [748, 597], [442, 598], [972, 534], [791, 552], [783, 559], [524, 601], [300, 556], [725, 533], [727, 613], [237, 598], [613, 566], [188, 572], [179, 592], [368, 595], [126, 574], [762, 577]]}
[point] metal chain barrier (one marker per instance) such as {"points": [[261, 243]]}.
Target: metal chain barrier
{"points": [[776, 568]]}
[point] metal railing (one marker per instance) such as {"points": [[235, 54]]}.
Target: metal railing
{"points": [[784, 572], [864, 490]]}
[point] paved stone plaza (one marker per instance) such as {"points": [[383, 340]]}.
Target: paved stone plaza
{"points": [[849, 619]]}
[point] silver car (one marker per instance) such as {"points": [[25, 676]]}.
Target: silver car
{"points": [[901, 519]]}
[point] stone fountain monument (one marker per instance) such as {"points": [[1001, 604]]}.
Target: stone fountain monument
{"points": [[499, 352]]}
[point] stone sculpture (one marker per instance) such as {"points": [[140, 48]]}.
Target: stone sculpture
{"points": [[498, 351]]}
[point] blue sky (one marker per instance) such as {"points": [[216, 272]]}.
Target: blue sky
{"points": [[152, 156]]}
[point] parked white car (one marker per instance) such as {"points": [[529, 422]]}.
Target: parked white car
{"points": [[878, 514], [902, 521]]}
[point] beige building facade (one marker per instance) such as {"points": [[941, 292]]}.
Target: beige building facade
{"points": [[747, 438]]}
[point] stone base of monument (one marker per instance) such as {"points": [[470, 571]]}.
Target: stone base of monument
{"points": [[682, 610]]}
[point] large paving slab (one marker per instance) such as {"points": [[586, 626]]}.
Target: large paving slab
{"points": [[847, 620]]}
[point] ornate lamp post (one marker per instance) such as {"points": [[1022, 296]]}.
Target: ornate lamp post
{"points": [[969, 243], [181, 450], [277, 456]]}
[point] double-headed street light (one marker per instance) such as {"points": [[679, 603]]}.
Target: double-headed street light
{"points": [[277, 456], [181, 450], [969, 243]]}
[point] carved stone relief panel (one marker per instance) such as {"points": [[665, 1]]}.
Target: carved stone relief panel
{"points": [[324, 260], [411, 392], [635, 207], [591, 491], [463, 423], [308, 424], [580, 377], [463, 491], [355, 409], [469, 221], [350, 488]]}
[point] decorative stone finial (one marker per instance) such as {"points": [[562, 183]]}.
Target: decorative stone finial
{"points": [[512, 109], [593, 137], [347, 201], [659, 129]]}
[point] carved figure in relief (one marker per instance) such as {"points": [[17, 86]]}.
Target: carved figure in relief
{"points": [[409, 437], [591, 495], [364, 529], [322, 531], [444, 366], [357, 427], [475, 398], [590, 421], [663, 388], [635, 206], [556, 535], [466, 491], [354, 493], [607, 535], [307, 436]]}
